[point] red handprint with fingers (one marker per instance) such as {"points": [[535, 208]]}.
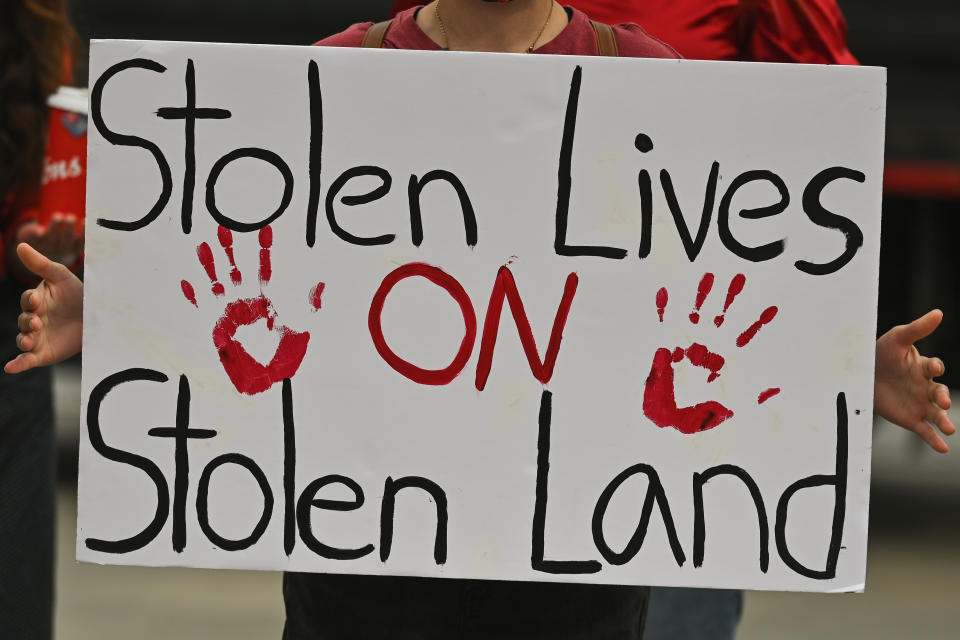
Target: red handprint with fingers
{"points": [[659, 401], [245, 372]]}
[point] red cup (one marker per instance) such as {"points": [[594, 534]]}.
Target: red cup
{"points": [[65, 164]]}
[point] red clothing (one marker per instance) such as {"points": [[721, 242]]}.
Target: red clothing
{"points": [[812, 31], [18, 208], [578, 38]]}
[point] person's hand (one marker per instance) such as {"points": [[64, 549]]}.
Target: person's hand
{"points": [[58, 240], [51, 325], [904, 391]]}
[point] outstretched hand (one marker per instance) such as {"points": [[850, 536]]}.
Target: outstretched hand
{"points": [[51, 325], [904, 391]]}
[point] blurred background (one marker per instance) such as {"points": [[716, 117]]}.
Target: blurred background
{"points": [[915, 511]]}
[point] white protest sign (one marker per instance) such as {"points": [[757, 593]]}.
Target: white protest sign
{"points": [[479, 315]]}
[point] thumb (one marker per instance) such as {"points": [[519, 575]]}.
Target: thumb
{"points": [[21, 363], [921, 327], [40, 265]]}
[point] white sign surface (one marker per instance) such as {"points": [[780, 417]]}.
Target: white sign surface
{"points": [[478, 315]]}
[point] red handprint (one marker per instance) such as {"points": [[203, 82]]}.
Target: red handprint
{"points": [[659, 401], [245, 372]]}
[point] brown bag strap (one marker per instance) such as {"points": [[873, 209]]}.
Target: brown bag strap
{"points": [[606, 41], [373, 38]]}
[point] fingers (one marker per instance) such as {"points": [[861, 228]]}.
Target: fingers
{"points": [[943, 422], [921, 327], [28, 322], [939, 418], [21, 363], [26, 341], [931, 437], [933, 367], [939, 395], [40, 265], [30, 300]]}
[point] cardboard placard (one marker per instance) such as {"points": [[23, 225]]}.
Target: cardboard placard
{"points": [[480, 315]]}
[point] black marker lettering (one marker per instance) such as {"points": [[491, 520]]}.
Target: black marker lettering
{"points": [[763, 252], [415, 187], [821, 217], [316, 149], [540, 506], [385, 182], [259, 154], [839, 482], [190, 114], [289, 468], [690, 245], [96, 114], [203, 512], [644, 144], [181, 433], [565, 181], [646, 213], [308, 500], [146, 465], [699, 528], [439, 498], [656, 493]]}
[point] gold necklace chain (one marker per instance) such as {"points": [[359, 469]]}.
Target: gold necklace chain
{"points": [[446, 38]]}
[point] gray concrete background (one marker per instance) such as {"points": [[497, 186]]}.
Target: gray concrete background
{"points": [[912, 568]]}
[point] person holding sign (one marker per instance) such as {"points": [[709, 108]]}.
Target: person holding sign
{"points": [[758, 30], [35, 38], [358, 606], [810, 32]]}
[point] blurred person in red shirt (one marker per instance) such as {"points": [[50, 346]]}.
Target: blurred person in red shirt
{"points": [[35, 43]]}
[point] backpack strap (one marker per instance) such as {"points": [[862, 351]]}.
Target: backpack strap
{"points": [[373, 38], [746, 19], [606, 41]]}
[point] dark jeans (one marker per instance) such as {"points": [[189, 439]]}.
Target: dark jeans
{"points": [[26, 506], [341, 607], [693, 614]]}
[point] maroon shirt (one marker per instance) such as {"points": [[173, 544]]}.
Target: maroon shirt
{"points": [[578, 38], [811, 31]]}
